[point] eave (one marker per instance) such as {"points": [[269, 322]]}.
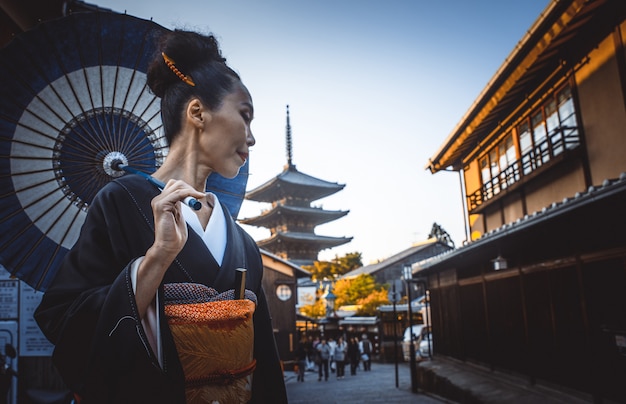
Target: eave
{"points": [[283, 266], [290, 183], [561, 35], [312, 216], [303, 238], [558, 230]]}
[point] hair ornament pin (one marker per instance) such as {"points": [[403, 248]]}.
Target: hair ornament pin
{"points": [[171, 64]]}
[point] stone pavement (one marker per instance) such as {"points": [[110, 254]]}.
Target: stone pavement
{"points": [[461, 382], [375, 386], [439, 381]]}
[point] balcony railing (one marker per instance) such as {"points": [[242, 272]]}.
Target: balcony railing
{"points": [[559, 141]]}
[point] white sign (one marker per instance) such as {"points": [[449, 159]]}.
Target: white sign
{"points": [[8, 299], [32, 340]]}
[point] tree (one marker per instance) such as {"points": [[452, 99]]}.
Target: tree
{"points": [[315, 310], [337, 267], [350, 291], [350, 261], [369, 305]]}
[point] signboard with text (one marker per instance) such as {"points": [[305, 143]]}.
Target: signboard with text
{"points": [[32, 340]]}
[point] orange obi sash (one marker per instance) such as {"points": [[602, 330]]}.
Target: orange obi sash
{"points": [[214, 337]]}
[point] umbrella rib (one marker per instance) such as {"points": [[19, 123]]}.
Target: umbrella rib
{"points": [[90, 146], [117, 136], [152, 99], [122, 134], [30, 89], [39, 132], [23, 173], [32, 186], [59, 60], [84, 70], [32, 223], [58, 247], [145, 127], [43, 276], [132, 80], [106, 130], [50, 84], [89, 185], [35, 245], [86, 78], [141, 94], [127, 128], [9, 175]]}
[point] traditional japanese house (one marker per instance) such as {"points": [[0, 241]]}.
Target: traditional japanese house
{"points": [[281, 289], [539, 288], [291, 218], [390, 269]]}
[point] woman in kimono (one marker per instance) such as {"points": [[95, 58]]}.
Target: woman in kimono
{"points": [[104, 311]]}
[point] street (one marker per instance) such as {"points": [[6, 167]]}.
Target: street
{"points": [[375, 386]]}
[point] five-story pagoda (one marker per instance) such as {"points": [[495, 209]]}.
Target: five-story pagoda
{"points": [[291, 218]]}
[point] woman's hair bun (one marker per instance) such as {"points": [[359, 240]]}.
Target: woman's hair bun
{"points": [[189, 50]]}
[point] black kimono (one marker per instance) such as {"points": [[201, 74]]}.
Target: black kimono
{"points": [[90, 315]]}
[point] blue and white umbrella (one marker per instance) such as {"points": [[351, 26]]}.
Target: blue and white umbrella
{"points": [[73, 97]]}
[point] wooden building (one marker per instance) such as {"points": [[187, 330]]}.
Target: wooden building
{"points": [[540, 290], [281, 289], [291, 218], [390, 269]]}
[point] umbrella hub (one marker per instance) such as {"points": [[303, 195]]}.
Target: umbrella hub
{"points": [[109, 159]]}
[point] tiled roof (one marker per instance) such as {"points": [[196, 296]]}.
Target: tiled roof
{"points": [[394, 259], [305, 237], [296, 182], [270, 215], [580, 199]]}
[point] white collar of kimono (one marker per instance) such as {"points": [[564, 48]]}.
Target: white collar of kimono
{"points": [[214, 236]]}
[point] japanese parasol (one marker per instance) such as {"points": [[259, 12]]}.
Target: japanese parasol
{"points": [[73, 96]]}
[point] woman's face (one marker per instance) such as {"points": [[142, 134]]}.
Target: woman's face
{"points": [[228, 137]]}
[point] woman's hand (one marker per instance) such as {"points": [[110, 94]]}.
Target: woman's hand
{"points": [[170, 229], [170, 236]]}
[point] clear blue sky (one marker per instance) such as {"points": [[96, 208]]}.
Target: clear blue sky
{"points": [[374, 89]]}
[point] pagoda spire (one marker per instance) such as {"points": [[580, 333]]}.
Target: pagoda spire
{"points": [[292, 220], [289, 143]]}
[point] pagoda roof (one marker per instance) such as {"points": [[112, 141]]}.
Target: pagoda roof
{"points": [[300, 237], [313, 216], [293, 183]]}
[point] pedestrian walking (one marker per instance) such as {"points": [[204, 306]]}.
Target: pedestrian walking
{"points": [[365, 347], [301, 359], [354, 355], [340, 357], [311, 353], [324, 356]]}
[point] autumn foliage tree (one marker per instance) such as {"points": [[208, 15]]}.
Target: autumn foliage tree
{"points": [[338, 266], [362, 291], [315, 310], [369, 305]]}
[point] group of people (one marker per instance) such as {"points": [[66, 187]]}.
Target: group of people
{"points": [[333, 356]]}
